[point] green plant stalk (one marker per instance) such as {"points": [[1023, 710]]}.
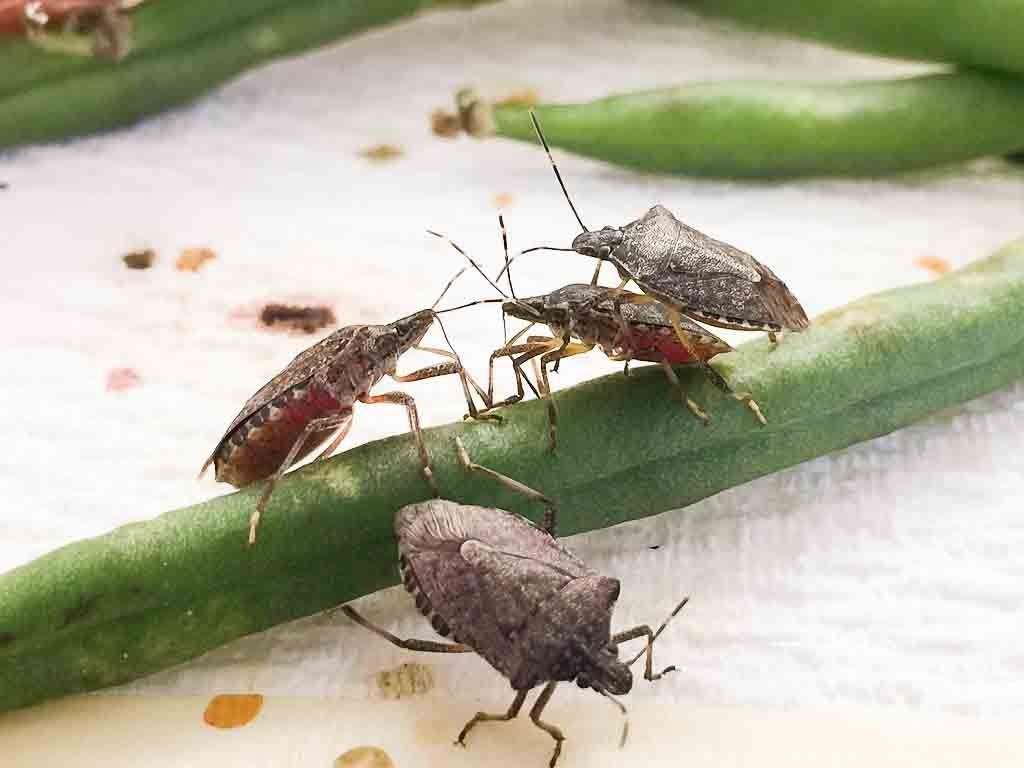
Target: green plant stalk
{"points": [[147, 596], [986, 34], [156, 26], [96, 96], [771, 129]]}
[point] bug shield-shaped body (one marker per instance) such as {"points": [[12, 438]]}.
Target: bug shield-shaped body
{"points": [[692, 272], [328, 378], [586, 313], [491, 580]]}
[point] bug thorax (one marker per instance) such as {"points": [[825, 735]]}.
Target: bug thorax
{"points": [[603, 671], [598, 244]]}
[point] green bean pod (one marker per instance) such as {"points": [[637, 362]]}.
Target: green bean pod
{"points": [[986, 34], [151, 595], [775, 129], [182, 50]]}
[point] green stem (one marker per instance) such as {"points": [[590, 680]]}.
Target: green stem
{"points": [[987, 34], [151, 595], [180, 55], [766, 129]]}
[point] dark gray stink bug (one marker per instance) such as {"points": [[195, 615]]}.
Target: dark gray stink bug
{"points": [[313, 398], [505, 589], [688, 271]]}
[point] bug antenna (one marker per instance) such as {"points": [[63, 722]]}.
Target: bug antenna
{"points": [[508, 261], [449, 285], [544, 142], [625, 715], [661, 629], [470, 259]]}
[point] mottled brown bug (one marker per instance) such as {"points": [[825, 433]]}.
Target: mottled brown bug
{"points": [[505, 589], [313, 398], [688, 271], [625, 333]]}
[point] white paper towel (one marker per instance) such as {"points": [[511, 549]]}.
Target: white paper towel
{"points": [[890, 573]]}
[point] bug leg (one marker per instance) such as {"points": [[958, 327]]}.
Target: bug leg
{"points": [[680, 392], [744, 397], [597, 272], [550, 512], [410, 644], [558, 358], [645, 631], [537, 346], [565, 349], [333, 445], [401, 398], [553, 731], [483, 717], [313, 426], [446, 369]]}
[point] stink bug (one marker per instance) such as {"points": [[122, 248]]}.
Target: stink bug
{"points": [[688, 271], [505, 589], [586, 313], [313, 398]]}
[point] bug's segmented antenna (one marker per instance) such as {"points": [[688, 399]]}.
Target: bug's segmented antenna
{"points": [[470, 259], [448, 286], [625, 715], [504, 245], [544, 143]]}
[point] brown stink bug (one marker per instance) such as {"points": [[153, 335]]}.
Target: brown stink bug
{"points": [[688, 271], [582, 317], [313, 398], [505, 589]]}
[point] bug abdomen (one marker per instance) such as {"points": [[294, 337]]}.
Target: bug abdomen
{"points": [[257, 447]]}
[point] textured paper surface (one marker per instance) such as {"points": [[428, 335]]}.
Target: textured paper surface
{"points": [[888, 574]]}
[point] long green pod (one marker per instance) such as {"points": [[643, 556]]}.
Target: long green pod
{"points": [[100, 96], [987, 34], [156, 26], [771, 129], [151, 595]]}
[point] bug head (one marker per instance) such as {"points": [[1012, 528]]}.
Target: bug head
{"points": [[599, 243], [605, 673], [529, 309], [411, 329]]}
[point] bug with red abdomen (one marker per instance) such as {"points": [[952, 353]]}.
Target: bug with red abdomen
{"points": [[582, 317], [314, 396]]}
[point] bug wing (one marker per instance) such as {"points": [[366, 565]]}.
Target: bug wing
{"points": [[300, 370], [683, 266], [483, 571]]}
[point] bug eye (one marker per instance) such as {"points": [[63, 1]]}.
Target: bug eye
{"points": [[603, 251]]}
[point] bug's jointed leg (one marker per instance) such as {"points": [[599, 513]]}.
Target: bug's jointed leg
{"points": [[446, 369], [680, 391], [564, 349], [549, 506], [744, 397], [410, 644], [483, 717], [401, 398], [645, 631], [552, 730], [314, 425]]}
